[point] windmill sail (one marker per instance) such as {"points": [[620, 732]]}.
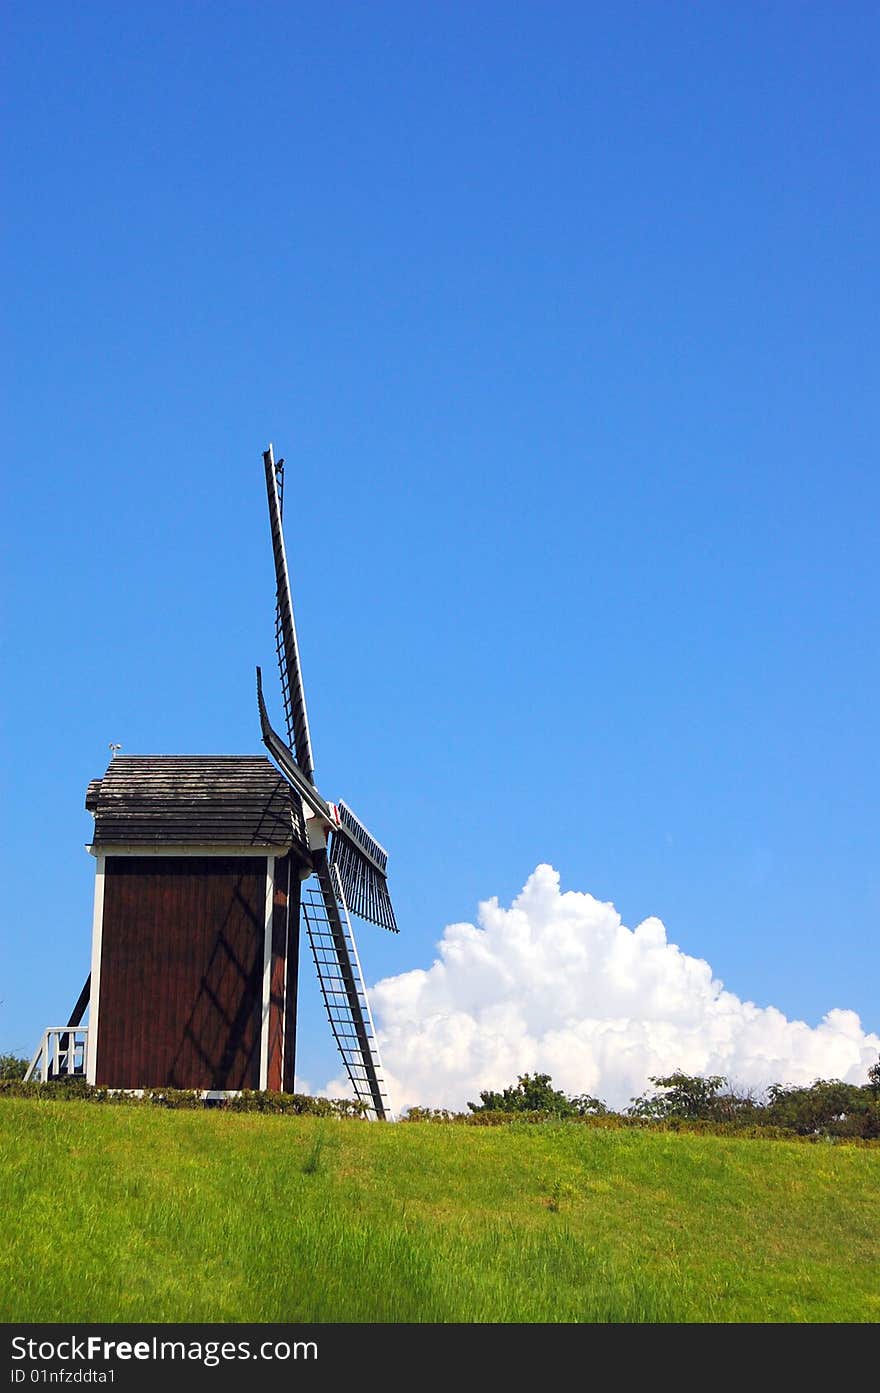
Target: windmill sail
{"points": [[285, 629], [361, 864], [358, 859], [339, 973], [283, 756], [354, 872]]}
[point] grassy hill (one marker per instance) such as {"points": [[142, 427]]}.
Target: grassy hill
{"points": [[140, 1214]]}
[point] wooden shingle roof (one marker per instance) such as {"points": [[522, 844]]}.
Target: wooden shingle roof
{"points": [[195, 800]]}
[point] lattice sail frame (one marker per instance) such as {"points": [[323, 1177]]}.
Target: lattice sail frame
{"points": [[355, 872], [286, 645], [361, 864], [335, 955]]}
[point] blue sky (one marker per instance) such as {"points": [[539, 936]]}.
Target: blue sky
{"points": [[565, 320]]}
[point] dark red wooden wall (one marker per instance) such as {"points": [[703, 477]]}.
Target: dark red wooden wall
{"points": [[276, 981], [285, 937], [182, 972]]}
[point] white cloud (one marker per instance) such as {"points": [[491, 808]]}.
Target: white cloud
{"points": [[557, 984]]}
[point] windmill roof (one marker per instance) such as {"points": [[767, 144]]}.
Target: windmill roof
{"points": [[196, 800]]}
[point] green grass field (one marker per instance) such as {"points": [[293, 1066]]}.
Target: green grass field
{"points": [[115, 1213]]}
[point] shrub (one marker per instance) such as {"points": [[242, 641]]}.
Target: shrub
{"points": [[293, 1104], [12, 1066], [689, 1096], [416, 1114], [534, 1093], [827, 1108]]}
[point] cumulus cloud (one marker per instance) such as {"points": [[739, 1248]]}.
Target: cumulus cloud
{"points": [[557, 984]]}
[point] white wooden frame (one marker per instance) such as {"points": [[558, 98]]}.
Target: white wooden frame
{"points": [[267, 971], [95, 987]]}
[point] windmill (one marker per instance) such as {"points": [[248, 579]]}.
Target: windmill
{"points": [[207, 867], [349, 865]]}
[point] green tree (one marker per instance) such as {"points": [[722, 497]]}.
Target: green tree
{"points": [[681, 1095], [827, 1107], [585, 1105], [12, 1066], [531, 1093]]}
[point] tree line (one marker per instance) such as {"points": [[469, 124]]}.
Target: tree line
{"points": [[827, 1107]]}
